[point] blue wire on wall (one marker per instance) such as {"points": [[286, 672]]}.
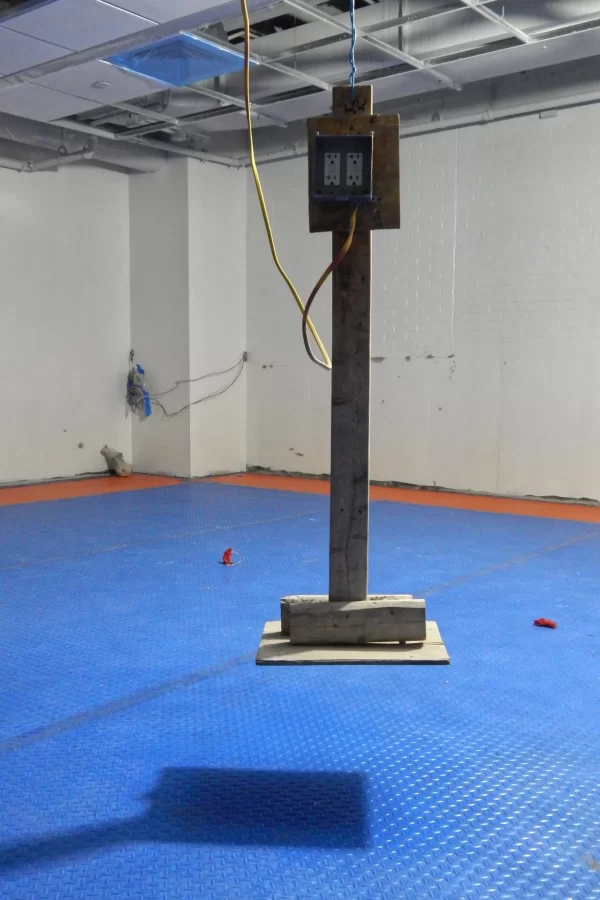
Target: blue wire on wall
{"points": [[352, 46]]}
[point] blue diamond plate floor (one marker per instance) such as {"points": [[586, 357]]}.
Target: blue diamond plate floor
{"points": [[143, 755]]}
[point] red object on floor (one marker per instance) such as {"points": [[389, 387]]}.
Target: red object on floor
{"points": [[227, 557], [545, 623]]}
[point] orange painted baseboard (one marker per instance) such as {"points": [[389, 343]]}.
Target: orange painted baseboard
{"points": [[540, 508], [88, 487], [84, 487]]}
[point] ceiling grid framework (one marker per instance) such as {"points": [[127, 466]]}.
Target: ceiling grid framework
{"points": [[54, 60]]}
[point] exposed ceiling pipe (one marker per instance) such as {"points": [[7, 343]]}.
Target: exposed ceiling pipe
{"points": [[6, 163], [62, 159], [52, 163], [178, 150], [50, 137]]}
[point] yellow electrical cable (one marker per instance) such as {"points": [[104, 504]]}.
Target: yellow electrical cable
{"points": [[261, 198]]}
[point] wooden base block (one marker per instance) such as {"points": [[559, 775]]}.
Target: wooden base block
{"points": [[295, 599], [388, 617], [276, 650]]}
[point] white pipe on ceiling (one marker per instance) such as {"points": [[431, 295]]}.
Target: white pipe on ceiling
{"points": [[7, 163], [48, 137], [56, 162], [53, 162]]}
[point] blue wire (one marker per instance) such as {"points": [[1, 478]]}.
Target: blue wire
{"points": [[352, 47]]}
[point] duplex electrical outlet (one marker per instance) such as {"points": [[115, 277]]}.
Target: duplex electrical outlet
{"points": [[342, 167], [331, 173], [354, 169]]}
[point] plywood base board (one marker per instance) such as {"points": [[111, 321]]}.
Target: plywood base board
{"points": [[275, 650]]}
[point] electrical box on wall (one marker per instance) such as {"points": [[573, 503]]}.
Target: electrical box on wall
{"points": [[343, 167]]}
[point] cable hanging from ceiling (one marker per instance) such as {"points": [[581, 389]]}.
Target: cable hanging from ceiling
{"points": [[352, 80], [325, 361]]}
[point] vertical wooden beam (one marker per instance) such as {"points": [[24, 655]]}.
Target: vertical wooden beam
{"points": [[350, 396]]}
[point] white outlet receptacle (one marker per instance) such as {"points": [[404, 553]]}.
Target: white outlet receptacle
{"points": [[331, 174], [354, 169]]}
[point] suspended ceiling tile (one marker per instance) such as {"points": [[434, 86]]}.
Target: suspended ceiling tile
{"points": [[528, 56], [18, 52], [77, 24], [30, 101], [100, 82], [164, 10]]}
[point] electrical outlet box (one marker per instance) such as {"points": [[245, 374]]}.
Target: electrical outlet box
{"points": [[369, 165], [343, 167]]}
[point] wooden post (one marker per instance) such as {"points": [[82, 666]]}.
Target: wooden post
{"points": [[350, 397], [346, 625]]}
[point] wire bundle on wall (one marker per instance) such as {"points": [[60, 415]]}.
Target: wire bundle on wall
{"points": [[141, 402]]}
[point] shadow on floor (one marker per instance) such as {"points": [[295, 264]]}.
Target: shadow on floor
{"points": [[223, 806]]}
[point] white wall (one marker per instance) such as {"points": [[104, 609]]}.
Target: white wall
{"points": [[64, 259], [486, 311], [160, 312], [188, 302], [217, 333]]}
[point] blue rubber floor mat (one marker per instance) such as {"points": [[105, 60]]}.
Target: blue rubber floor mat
{"points": [[65, 528], [142, 754]]}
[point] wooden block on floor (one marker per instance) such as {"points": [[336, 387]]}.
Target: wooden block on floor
{"points": [[295, 599], [276, 650], [379, 618]]}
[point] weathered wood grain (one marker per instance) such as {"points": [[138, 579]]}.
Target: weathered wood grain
{"points": [[286, 602], [362, 622], [275, 650]]}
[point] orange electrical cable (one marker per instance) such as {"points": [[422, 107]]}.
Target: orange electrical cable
{"points": [[330, 268]]}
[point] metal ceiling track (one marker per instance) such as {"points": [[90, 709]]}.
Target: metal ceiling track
{"points": [[341, 24], [480, 8]]}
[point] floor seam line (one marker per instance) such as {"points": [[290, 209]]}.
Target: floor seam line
{"points": [[114, 707], [512, 563], [149, 541]]}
